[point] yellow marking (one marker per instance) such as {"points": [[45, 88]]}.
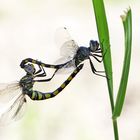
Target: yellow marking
{"points": [[39, 96], [33, 95], [47, 96], [33, 61], [26, 61], [55, 92], [42, 65], [75, 71], [51, 66], [70, 78], [63, 85]]}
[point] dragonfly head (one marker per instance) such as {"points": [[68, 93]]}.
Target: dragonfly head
{"points": [[29, 68], [93, 45]]}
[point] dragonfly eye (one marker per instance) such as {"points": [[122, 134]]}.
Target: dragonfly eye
{"points": [[93, 45], [29, 68]]}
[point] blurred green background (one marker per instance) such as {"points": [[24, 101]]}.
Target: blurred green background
{"points": [[82, 111]]}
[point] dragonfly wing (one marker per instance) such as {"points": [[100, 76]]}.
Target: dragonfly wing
{"points": [[68, 47], [14, 111], [62, 60], [8, 91], [68, 68], [20, 107]]}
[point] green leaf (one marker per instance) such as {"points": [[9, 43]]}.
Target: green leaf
{"points": [[127, 24], [103, 34]]}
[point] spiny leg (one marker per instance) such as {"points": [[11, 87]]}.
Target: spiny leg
{"points": [[37, 95], [96, 55], [98, 51], [94, 70], [46, 80], [96, 58], [94, 67], [40, 70], [39, 74], [43, 75]]}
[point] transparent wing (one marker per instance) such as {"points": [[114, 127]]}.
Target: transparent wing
{"points": [[14, 111], [8, 91], [68, 68], [68, 47]]}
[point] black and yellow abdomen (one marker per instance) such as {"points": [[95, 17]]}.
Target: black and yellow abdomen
{"points": [[22, 64], [37, 95]]}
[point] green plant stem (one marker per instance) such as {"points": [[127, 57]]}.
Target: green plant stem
{"points": [[115, 127]]}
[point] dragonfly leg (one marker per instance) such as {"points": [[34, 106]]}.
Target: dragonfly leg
{"points": [[95, 56], [99, 50], [94, 70], [39, 74], [43, 75], [46, 80], [40, 69]]}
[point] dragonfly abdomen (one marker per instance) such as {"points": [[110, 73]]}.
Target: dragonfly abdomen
{"points": [[37, 95], [22, 65]]}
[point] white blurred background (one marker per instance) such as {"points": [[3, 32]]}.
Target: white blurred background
{"points": [[82, 111]]}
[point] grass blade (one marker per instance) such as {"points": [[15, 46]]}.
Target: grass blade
{"points": [[103, 34], [127, 23]]}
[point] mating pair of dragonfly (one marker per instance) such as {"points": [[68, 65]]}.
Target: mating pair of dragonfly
{"points": [[71, 58]]}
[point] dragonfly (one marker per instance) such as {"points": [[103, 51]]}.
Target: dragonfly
{"points": [[72, 55], [15, 93]]}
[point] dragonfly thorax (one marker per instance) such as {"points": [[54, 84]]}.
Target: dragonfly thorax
{"points": [[81, 55], [26, 83]]}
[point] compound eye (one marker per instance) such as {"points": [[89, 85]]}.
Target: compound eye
{"points": [[93, 45], [29, 68]]}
